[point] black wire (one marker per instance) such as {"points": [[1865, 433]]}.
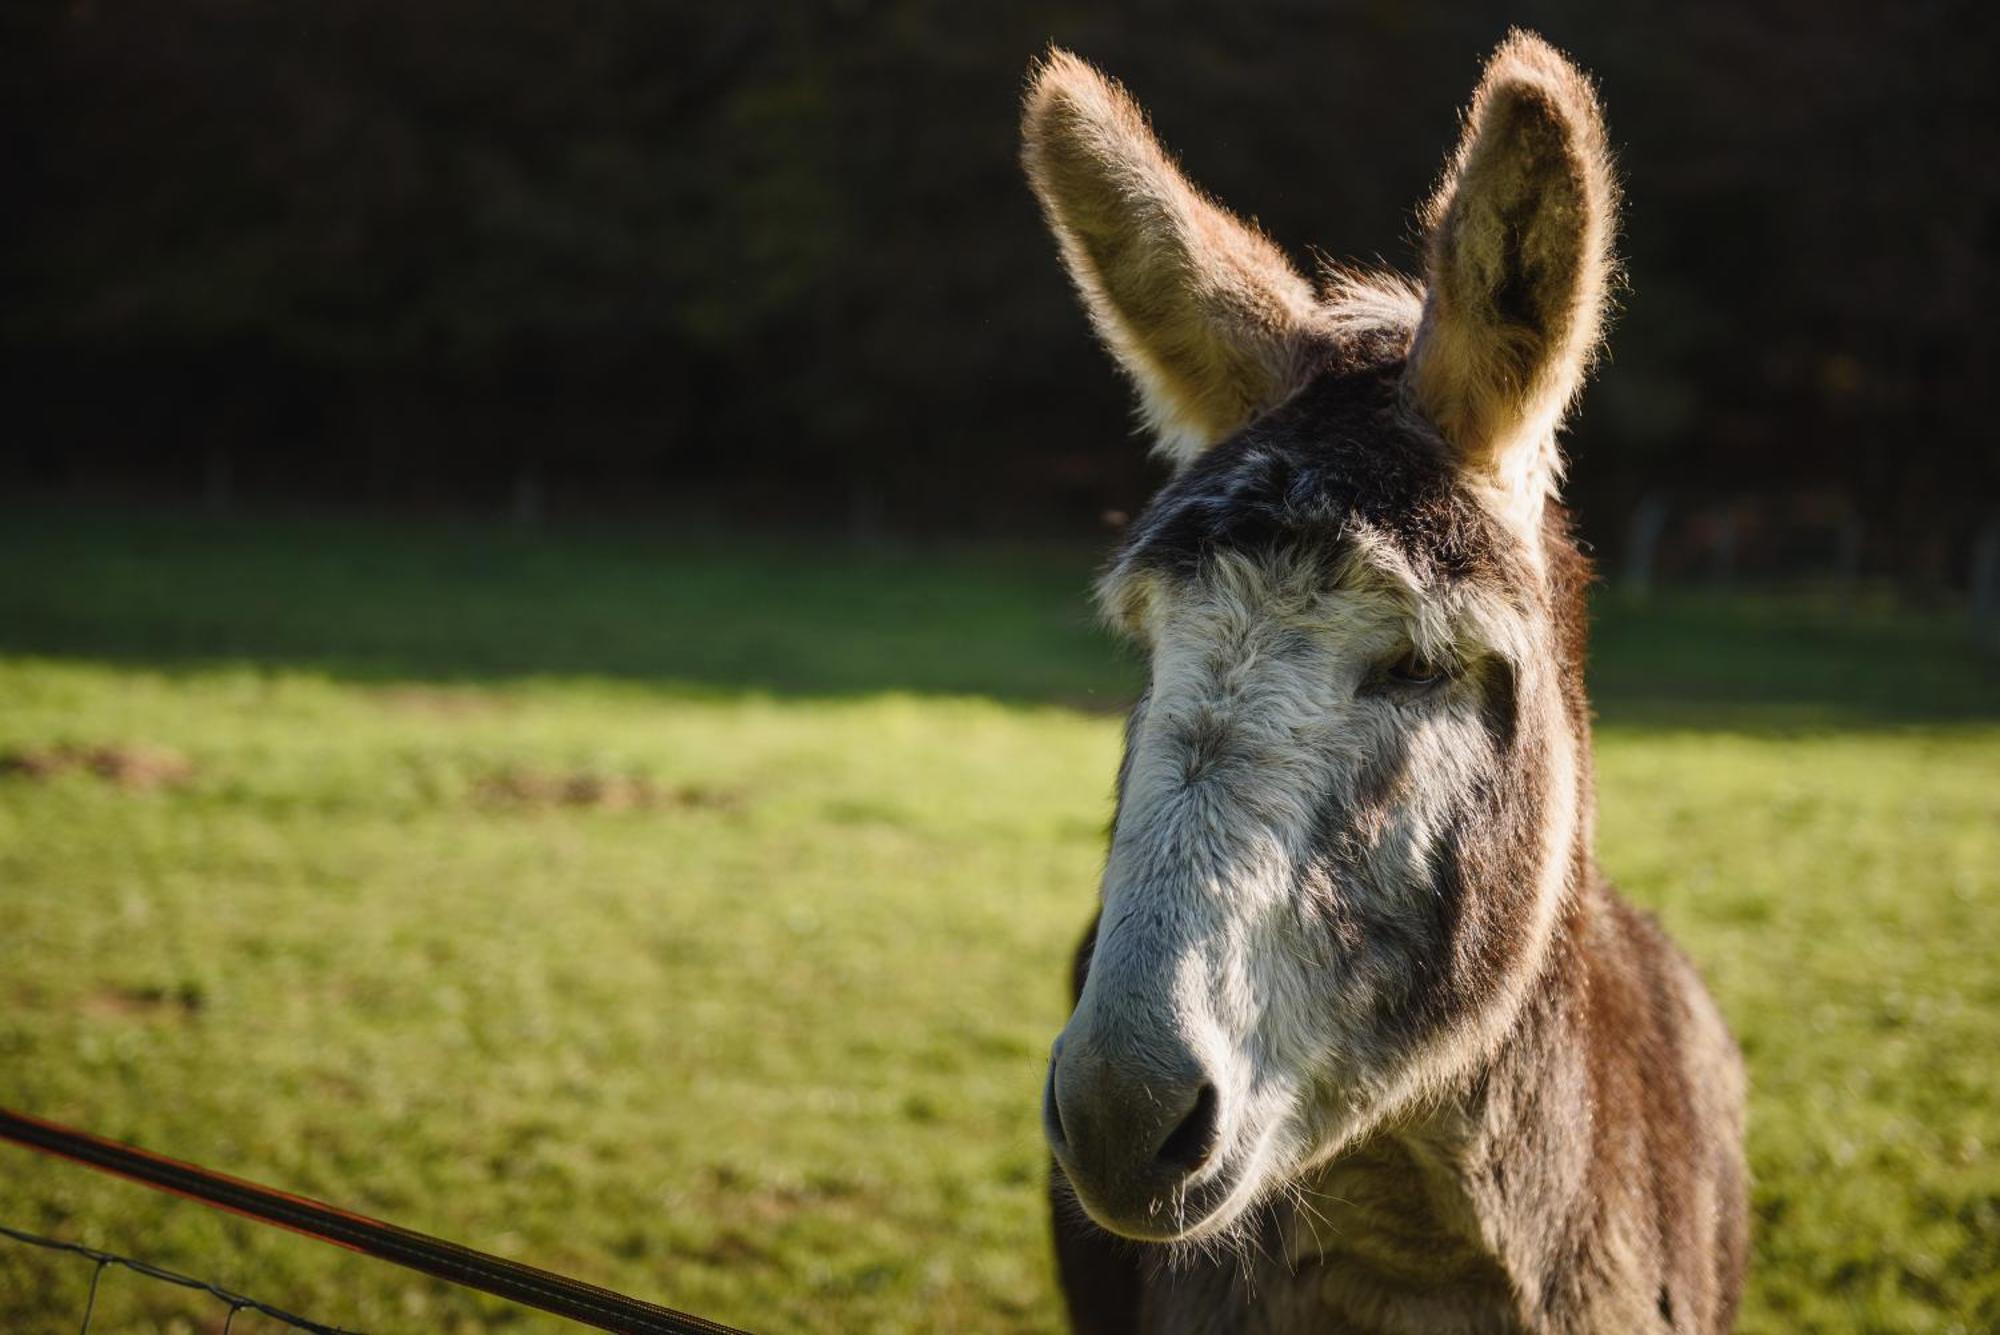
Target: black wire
{"points": [[90, 1299], [237, 1302], [524, 1284]]}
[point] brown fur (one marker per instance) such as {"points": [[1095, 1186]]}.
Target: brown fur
{"points": [[1205, 314], [1575, 1161], [1588, 1177], [1519, 256]]}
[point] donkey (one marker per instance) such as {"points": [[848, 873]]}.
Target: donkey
{"points": [[1362, 1040]]}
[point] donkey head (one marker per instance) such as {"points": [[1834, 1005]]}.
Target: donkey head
{"points": [[1353, 795]]}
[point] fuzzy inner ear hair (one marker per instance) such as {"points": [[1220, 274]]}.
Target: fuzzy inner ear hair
{"points": [[1518, 266], [1201, 310]]}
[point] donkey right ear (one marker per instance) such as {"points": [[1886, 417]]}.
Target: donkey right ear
{"points": [[1200, 308], [1517, 267]]}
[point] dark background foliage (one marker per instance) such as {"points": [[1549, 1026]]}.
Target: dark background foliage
{"points": [[775, 263]]}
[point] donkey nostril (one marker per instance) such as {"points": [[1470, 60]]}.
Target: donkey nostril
{"points": [[1052, 1122], [1189, 1145]]}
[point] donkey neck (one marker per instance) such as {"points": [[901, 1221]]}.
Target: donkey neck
{"points": [[1390, 1238]]}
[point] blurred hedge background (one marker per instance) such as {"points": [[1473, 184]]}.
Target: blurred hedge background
{"points": [[775, 263]]}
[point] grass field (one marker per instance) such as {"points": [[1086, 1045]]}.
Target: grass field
{"points": [[691, 915]]}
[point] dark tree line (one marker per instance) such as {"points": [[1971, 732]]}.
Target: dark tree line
{"points": [[776, 262]]}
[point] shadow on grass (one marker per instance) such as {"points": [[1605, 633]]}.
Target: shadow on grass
{"points": [[446, 601]]}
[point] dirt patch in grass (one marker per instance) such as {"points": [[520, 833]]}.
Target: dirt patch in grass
{"points": [[543, 789], [143, 1003], [730, 1248], [136, 768]]}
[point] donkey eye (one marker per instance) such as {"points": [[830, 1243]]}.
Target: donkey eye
{"points": [[1413, 669]]}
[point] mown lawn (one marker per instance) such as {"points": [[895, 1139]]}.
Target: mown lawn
{"points": [[691, 915]]}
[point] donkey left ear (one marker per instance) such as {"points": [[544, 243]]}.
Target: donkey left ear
{"points": [[1517, 267], [1201, 310]]}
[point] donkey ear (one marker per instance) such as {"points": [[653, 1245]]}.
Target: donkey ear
{"points": [[1517, 267], [1200, 308]]}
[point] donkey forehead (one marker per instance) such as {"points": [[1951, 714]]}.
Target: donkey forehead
{"points": [[1337, 495]]}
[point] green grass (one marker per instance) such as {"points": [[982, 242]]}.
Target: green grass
{"points": [[691, 915]]}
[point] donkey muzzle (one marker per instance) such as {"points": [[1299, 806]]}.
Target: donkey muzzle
{"points": [[1131, 1130]]}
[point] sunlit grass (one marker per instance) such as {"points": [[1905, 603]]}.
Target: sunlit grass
{"points": [[498, 912]]}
